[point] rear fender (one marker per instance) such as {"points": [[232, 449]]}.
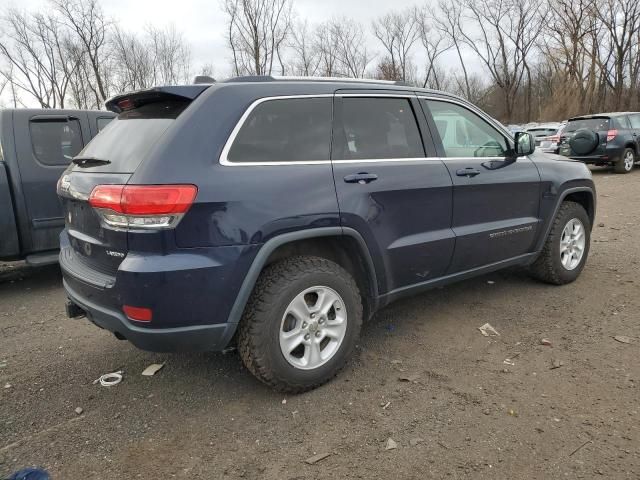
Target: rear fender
{"points": [[270, 246]]}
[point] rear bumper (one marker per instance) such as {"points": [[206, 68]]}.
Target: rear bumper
{"points": [[191, 293], [611, 156], [201, 338]]}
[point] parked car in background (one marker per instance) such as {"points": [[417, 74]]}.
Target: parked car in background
{"points": [[603, 139], [279, 214], [36, 145], [513, 129], [547, 136]]}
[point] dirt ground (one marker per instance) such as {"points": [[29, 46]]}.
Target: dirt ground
{"points": [[475, 407]]}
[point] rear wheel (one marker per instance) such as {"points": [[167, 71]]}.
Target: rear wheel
{"points": [[566, 249], [301, 323], [625, 164]]}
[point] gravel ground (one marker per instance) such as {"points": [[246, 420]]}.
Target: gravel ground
{"points": [[474, 407]]}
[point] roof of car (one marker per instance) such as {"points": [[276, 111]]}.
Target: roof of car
{"points": [[545, 126], [264, 83], [601, 115]]}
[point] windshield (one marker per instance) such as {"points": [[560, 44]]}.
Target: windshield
{"points": [[129, 138], [595, 124]]}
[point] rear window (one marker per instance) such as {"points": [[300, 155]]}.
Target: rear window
{"points": [[285, 130], [129, 138], [55, 142], [595, 124], [542, 132], [102, 122]]}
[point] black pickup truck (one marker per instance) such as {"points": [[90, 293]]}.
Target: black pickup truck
{"points": [[36, 146]]}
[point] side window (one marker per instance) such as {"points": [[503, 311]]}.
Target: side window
{"points": [[285, 130], [465, 134], [635, 120], [55, 142], [102, 122], [377, 128], [621, 123]]}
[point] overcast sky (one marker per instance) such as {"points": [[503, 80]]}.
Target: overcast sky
{"points": [[202, 21]]}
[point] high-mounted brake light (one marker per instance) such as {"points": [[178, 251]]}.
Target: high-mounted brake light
{"points": [[142, 206], [611, 134]]}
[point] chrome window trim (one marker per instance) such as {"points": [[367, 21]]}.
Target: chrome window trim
{"points": [[234, 133], [224, 160]]}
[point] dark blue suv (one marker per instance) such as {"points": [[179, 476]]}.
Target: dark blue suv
{"points": [[277, 214]]}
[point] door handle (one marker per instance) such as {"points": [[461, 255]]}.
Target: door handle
{"points": [[469, 172], [362, 178]]}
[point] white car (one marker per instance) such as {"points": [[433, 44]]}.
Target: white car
{"points": [[547, 136]]}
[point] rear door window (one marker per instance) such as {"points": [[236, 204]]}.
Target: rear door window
{"points": [[55, 142], [285, 130], [635, 120], [377, 128]]}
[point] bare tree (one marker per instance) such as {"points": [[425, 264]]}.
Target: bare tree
{"points": [[398, 32], [256, 33], [89, 27], [507, 31], [435, 42], [305, 54], [448, 21], [621, 21], [36, 48], [327, 45]]}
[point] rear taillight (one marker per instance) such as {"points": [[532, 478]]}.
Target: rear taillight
{"points": [[554, 138], [142, 206], [611, 134]]}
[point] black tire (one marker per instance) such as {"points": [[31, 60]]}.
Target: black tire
{"points": [[625, 167], [258, 335], [548, 266]]}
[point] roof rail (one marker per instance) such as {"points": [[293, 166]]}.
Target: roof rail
{"points": [[276, 78]]}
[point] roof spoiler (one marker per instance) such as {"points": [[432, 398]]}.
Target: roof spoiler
{"points": [[128, 101]]}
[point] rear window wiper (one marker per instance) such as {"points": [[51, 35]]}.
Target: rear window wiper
{"points": [[90, 161]]}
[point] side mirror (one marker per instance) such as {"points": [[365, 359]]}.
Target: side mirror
{"points": [[525, 144]]}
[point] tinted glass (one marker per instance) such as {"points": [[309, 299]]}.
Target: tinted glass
{"points": [[377, 128], [287, 130], [131, 135], [620, 122], [102, 122], [595, 124], [55, 143], [635, 120], [465, 134]]}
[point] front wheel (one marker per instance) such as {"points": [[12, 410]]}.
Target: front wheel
{"points": [[626, 163], [566, 249], [301, 323]]}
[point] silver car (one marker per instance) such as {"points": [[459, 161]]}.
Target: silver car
{"points": [[547, 136]]}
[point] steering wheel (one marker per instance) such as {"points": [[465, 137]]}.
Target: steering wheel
{"points": [[490, 144]]}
